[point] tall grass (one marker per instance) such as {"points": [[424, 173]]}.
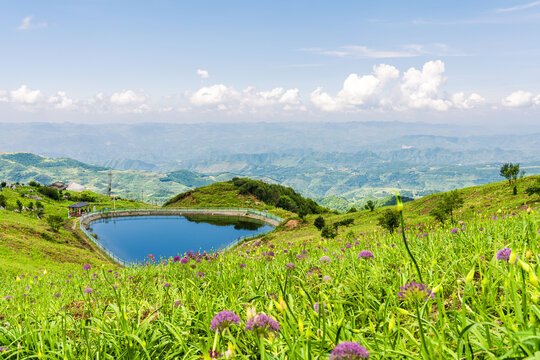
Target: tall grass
{"points": [[483, 308]]}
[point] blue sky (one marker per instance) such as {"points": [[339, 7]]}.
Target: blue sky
{"points": [[270, 60]]}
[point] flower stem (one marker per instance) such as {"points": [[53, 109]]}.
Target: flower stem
{"points": [[405, 241]]}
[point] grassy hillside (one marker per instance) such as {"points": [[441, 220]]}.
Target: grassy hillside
{"points": [[481, 202], [133, 184], [223, 194], [28, 243], [291, 298]]}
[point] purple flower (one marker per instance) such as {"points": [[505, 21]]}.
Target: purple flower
{"points": [[176, 258], [290, 266], [326, 278], [88, 291], [214, 354], [4, 348], [200, 274], [349, 350], [57, 295], [223, 320], [184, 261], [87, 267], [8, 297], [177, 303], [325, 259], [167, 285], [415, 292], [454, 230], [242, 265], [262, 324], [271, 253], [504, 254], [316, 307], [365, 254]]}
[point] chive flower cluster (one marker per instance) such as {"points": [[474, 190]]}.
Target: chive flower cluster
{"points": [[262, 324], [349, 350], [415, 292], [365, 254], [504, 254], [223, 320]]}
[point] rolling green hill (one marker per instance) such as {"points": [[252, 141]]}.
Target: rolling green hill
{"points": [[27, 241]]}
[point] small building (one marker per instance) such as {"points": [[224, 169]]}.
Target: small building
{"points": [[78, 209], [58, 185]]}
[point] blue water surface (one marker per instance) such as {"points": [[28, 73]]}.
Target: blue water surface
{"points": [[133, 238]]}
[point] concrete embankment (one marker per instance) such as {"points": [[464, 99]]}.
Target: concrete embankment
{"points": [[134, 212]]}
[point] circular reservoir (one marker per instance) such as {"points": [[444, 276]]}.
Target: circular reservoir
{"points": [[133, 238]]}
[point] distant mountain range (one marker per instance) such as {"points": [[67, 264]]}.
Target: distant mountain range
{"points": [[352, 161]]}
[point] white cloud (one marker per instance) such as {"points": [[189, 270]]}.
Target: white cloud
{"points": [[127, 97], [403, 51], [24, 95], [4, 96], [519, 99], [61, 101], [203, 74], [417, 89], [519, 7], [461, 101], [357, 90], [27, 24], [223, 97]]}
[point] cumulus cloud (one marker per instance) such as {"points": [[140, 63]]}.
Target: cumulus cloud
{"points": [[383, 89], [520, 99], [127, 97], [25, 95], [228, 98], [61, 101], [203, 74], [27, 24]]}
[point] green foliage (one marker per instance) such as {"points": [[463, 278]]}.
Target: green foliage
{"points": [[534, 188], [34, 184], [55, 222], [3, 184], [188, 178], [370, 205], [389, 220], [19, 205], [49, 192], [329, 231], [345, 222], [509, 171], [3, 201], [447, 205], [277, 195], [352, 210], [319, 222]]}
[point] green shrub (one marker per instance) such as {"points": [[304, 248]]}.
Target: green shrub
{"points": [[319, 222], [389, 220]]}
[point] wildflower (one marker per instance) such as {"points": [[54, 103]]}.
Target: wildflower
{"points": [[167, 285], [325, 259], [57, 295], [214, 354], [262, 324], [504, 254], [8, 297], [365, 254], [242, 265], [326, 278], [86, 267], [454, 230], [184, 261], [200, 274], [349, 350], [415, 292], [270, 253], [4, 348], [223, 320], [176, 258], [88, 291], [316, 307], [177, 303]]}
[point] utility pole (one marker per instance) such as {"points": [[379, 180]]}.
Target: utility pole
{"points": [[110, 184]]}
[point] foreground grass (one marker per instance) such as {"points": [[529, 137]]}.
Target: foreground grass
{"points": [[482, 308]]}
